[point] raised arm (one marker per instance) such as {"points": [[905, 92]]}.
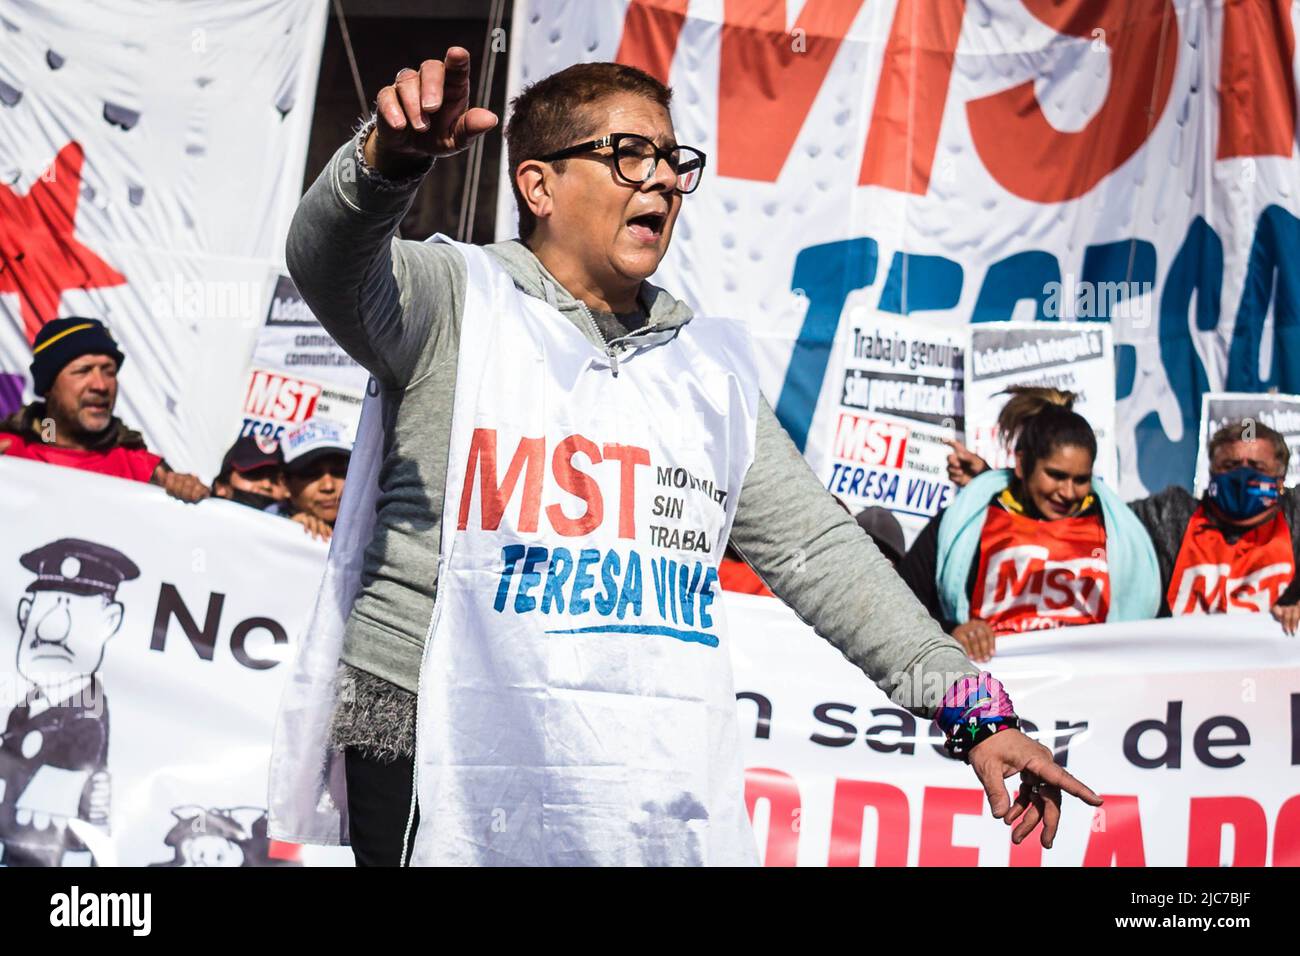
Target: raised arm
{"points": [[357, 279]]}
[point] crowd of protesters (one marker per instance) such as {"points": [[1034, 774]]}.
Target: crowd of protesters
{"points": [[1233, 550], [975, 566], [968, 566], [1042, 544], [75, 363]]}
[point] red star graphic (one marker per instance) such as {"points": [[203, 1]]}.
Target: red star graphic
{"points": [[39, 255]]}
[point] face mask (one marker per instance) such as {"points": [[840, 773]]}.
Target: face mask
{"points": [[252, 499], [1243, 492]]}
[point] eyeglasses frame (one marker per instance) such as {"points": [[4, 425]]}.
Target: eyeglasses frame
{"points": [[613, 140]]}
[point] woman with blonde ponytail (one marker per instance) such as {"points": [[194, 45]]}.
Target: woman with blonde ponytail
{"points": [[1036, 546]]}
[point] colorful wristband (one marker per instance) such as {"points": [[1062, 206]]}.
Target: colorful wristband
{"points": [[974, 709]]}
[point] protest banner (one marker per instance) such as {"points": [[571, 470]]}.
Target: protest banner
{"points": [[141, 670], [1189, 728], [149, 640], [901, 398], [1131, 165]]}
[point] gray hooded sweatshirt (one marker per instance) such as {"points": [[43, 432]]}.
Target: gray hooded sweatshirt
{"points": [[395, 306]]}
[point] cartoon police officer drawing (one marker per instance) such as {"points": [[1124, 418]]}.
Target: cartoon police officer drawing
{"points": [[54, 747], [237, 836]]}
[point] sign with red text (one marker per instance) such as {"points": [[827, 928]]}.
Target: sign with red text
{"points": [[277, 402], [901, 398], [299, 372], [1189, 729], [1130, 165]]}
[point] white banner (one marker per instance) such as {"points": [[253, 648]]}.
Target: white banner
{"points": [[1189, 728], [150, 160], [140, 669], [1279, 412], [1132, 164], [184, 617]]}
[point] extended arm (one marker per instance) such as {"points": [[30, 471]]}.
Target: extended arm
{"points": [[817, 560], [358, 280]]}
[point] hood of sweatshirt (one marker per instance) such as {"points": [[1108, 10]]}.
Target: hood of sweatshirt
{"points": [[666, 313]]}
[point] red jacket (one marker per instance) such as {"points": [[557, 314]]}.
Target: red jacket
{"points": [[121, 453]]}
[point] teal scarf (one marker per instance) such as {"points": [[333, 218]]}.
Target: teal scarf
{"points": [[1129, 554]]}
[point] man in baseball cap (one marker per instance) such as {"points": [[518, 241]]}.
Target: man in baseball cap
{"points": [[74, 369], [252, 473]]}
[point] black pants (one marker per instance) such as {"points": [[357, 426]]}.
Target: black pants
{"points": [[379, 799]]}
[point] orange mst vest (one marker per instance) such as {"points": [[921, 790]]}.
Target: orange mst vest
{"points": [[1212, 576], [1040, 574]]}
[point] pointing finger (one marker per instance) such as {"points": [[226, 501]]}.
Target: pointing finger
{"points": [[457, 61], [1050, 773]]}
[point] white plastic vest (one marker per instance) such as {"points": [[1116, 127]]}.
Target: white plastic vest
{"points": [[576, 703]]}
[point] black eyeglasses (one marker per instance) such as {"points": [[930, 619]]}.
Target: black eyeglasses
{"points": [[637, 158]]}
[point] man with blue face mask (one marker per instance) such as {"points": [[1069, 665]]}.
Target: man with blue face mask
{"points": [[1235, 549]]}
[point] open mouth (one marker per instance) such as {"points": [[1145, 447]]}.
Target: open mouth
{"points": [[648, 226]]}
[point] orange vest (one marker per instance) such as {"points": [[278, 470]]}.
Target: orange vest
{"points": [[1212, 576], [1040, 574]]}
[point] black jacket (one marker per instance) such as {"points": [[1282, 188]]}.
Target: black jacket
{"points": [[918, 568]]}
